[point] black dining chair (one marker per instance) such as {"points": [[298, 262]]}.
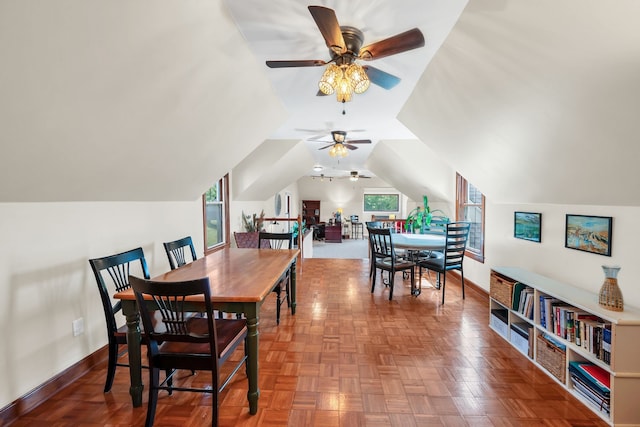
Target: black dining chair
{"points": [[112, 275], [451, 258], [385, 258], [278, 241], [183, 341], [177, 252], [372, 224]]}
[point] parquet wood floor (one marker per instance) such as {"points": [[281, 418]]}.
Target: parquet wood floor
{"points": [[352, 358]]}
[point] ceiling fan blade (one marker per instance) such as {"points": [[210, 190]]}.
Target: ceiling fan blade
{"points": [[349, 146], [381, 78], [296, 63], [402, 42], [359, 141], [329, 27], [325, 147]]}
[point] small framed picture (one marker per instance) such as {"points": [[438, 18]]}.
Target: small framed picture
{"points": [[589, 233], [527, 226]]}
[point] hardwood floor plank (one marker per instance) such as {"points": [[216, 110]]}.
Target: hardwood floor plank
{"points": [[352, 358]]}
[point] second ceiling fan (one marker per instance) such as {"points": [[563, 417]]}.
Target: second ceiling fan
{"points": [[340, 144], [343, 75]]}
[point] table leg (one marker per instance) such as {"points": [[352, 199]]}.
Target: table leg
{"points": [[252, 362], [292, 273], [134, 352]]}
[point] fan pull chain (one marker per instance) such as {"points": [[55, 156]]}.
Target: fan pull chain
{"points": [[343, 112]]}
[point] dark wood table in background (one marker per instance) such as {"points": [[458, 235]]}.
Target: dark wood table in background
{"points": [[241, 280]]}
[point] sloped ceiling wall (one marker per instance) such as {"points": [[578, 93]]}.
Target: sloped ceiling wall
{"points": [[538, 102], [534, 102], [413, 168], [135, 100], [270, 168]]}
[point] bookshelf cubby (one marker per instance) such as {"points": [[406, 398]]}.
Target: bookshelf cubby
{"points": [[562, 326]]}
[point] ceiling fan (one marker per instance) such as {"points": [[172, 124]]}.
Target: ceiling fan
{"points": [[354, 176], [345, 46], [340, 144]]}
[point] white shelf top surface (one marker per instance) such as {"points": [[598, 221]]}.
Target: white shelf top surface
{"points": [[578, 297]]}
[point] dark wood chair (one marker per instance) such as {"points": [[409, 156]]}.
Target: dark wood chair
{"points": [[112, 275], [385, 258], [176, 252], [278, 241], [457, 234], [372, 264], [183, 341]]}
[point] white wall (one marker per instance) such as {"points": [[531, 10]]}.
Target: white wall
{"points": [[236, 208], [46, 281], [550, 257], [340, 193]]}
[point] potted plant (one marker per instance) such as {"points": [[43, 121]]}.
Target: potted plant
{"points": [[420, 218]]}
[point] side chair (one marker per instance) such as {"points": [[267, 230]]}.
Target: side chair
{"points": [[278, 241], [452, 257], [183, 341], [176, 252], [372, 224], [385, 258], [112, 275]]}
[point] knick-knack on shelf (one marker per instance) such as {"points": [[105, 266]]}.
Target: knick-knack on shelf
{"points": [[610, 296]]}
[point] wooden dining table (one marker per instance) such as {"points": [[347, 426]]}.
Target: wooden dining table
{"points": [[241, 280]]}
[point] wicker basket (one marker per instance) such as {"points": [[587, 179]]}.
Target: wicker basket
{"points": [[501, 289], [552, 358]]}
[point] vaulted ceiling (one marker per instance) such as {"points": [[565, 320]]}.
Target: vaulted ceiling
{"points": [[534, 102]]}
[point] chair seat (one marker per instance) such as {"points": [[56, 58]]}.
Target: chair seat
{"points": [[398, 264], [227, 331], [435, 262]]}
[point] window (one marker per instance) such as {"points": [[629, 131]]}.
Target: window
{"points": [[470, 208], [215, 208], [381, 202]]}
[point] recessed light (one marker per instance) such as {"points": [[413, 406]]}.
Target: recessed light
{"points": [[317, 168]]}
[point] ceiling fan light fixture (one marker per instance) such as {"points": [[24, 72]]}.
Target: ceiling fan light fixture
{"points": [[344, 90], [329, 80], [338, 150], [358, 77]]}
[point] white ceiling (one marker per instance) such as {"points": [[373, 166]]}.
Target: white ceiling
{"points": [[285, 30], [533, 102]]}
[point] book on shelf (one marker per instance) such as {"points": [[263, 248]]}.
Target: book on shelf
{"points": [[517, 293], [603, 403], [606, 344], [546, 312], [594, 336], [593, 375]]}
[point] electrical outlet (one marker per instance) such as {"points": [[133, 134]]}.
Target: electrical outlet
{"points": [[78, 326]]}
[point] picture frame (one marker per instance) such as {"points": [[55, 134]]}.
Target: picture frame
{"points": [[589, 233], [527, 226]]}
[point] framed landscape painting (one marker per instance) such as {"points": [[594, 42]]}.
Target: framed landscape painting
{"points": [[527, 226], [589, 233]]}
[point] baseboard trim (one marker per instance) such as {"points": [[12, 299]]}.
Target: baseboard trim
{"points": [[468, 283], [43, 392]]}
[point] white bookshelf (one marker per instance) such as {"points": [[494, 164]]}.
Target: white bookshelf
{"points": [[624, 367]]}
